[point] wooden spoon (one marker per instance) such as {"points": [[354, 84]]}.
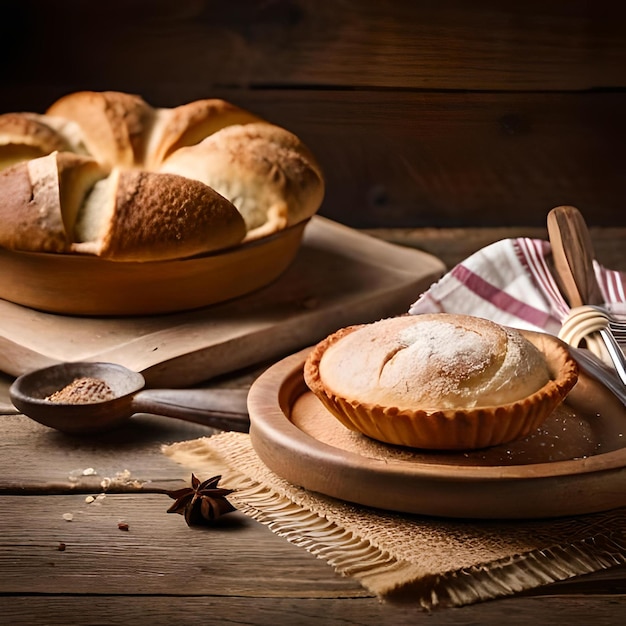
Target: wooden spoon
{"points": [[573, 255], [220, 408]]}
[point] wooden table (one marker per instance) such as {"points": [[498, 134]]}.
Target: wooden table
{"points": [[67, 558]]}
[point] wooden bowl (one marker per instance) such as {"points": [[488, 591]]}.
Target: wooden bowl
{"points": [[88, 285]]}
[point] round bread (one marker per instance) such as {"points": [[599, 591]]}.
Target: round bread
{"points": [[264, 170], [439, 381], [266, 175], [141, 216]]}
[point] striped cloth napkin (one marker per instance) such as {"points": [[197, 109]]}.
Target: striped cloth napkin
{"points": [[512, 282]]}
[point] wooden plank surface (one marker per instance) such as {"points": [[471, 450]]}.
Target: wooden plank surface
{"points": [[158, 554], [213, 610], [449, 44], [421, 113], [158, 567], [160, 571]]}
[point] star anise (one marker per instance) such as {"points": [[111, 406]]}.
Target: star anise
{"points": [[202, 503]]}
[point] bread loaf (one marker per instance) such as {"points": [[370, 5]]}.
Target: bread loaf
{"points": [[156, 170], [65, 202], [41, 199], [264, 170], [439, 380], [134, 215]]}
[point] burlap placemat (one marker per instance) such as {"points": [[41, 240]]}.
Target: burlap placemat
{"points": [[433, 562]]}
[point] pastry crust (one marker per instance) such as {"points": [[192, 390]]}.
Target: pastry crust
{"points": [[440, 381]]}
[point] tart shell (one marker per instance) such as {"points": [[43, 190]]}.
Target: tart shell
{"points": [[451, 429]]}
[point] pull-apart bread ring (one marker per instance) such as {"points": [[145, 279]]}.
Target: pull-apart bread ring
{"points": [[440, 381], [106, 174]]}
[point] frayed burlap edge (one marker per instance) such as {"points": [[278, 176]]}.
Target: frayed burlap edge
{"points": [[307, 520]]}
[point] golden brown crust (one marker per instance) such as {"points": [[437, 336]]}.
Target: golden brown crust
{"points": [[25, 136], [450, 429], [158, 217], [189, 124], [264, 170], [30, 211], [114, 124], [30, 129]]}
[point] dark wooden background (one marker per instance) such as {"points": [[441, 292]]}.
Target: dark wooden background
{"points": [[444, 113]]}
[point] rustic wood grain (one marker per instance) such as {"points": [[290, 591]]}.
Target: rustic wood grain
{"points": [[49, 460], [455, 160], [450, 44], [160, 567], [574, 610], [100, 609], [452, 245], [158, 554], [421, 113]]}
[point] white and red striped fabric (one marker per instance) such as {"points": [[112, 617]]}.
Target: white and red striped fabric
{"points": [[510, 282]]}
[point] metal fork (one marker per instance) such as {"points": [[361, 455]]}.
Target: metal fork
{"points": [[591, 324], [615, 352], [616, 326]]}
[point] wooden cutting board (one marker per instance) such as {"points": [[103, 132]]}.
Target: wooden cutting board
{"points": [[339, 277]]}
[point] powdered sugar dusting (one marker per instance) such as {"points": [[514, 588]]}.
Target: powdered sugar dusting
{"points": [[448, 347], [434, 362], [440, 361]]}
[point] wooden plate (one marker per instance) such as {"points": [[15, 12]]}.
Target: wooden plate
{"points": [[88, 285], [574, 464]]}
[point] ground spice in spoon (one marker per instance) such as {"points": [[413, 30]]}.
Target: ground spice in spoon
{"points": [[85, 390]]}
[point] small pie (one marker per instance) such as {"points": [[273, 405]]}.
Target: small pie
{"points": [[440, 381]]}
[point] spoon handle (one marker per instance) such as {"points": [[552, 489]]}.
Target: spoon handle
{"points": [[573, 255], [225, 409]]}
